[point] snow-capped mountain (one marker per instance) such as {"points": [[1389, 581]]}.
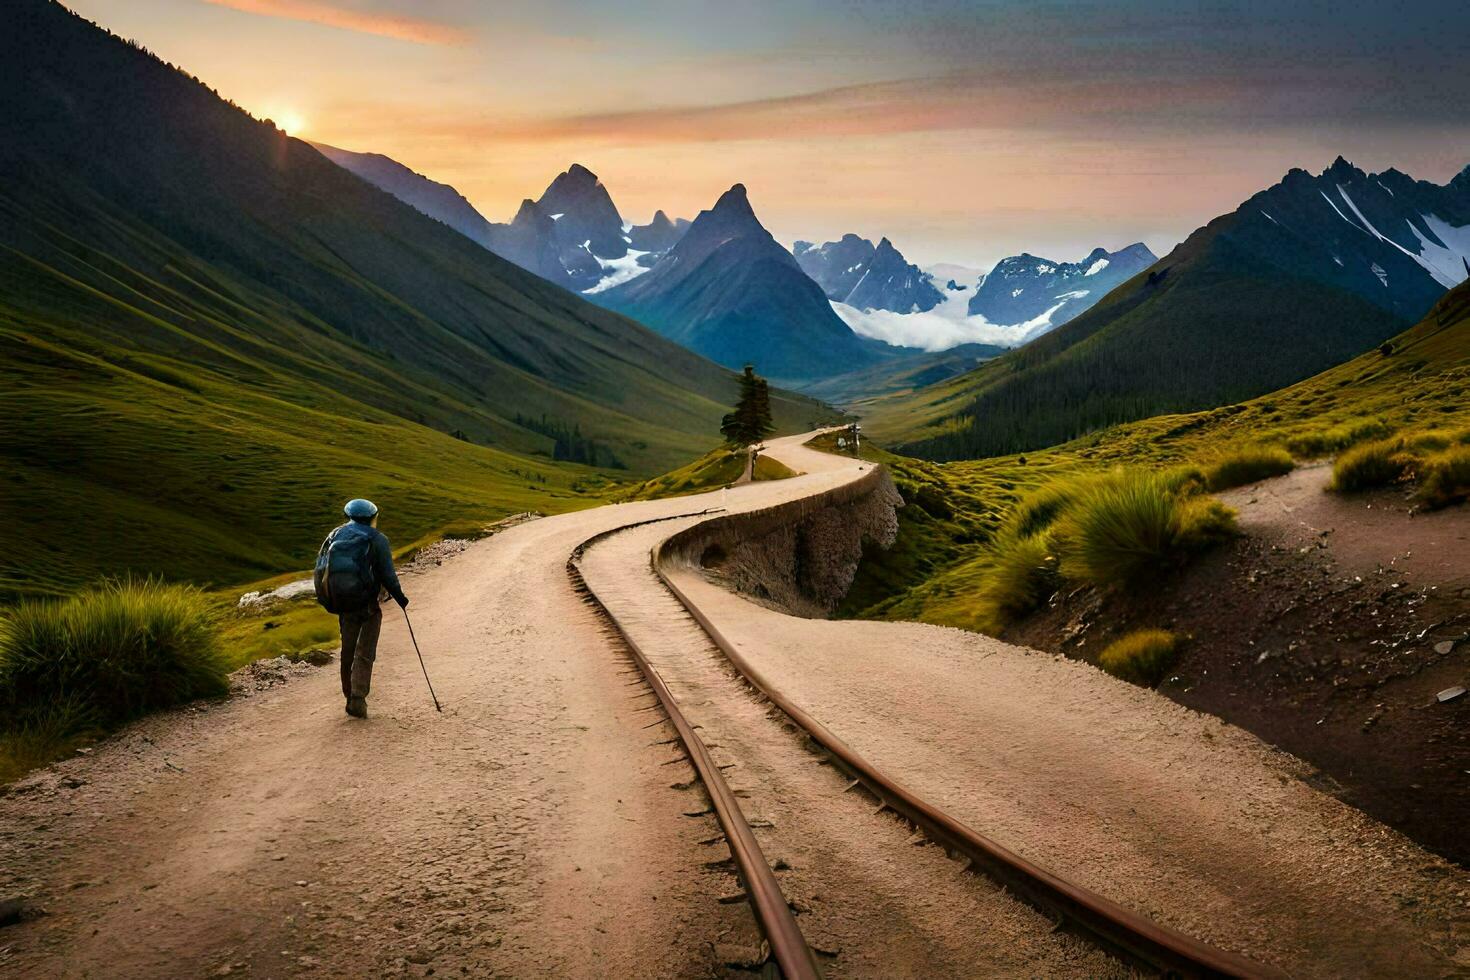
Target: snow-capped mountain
{"points": [[572, 235], [1045, 294], [1388, 238], [1020, 299], [729, 291], [855, 272], [595, 247]]}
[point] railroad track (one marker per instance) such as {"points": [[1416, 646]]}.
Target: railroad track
{"points": [[772, 913], [1132, 937]]}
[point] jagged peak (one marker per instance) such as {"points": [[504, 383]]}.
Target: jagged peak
{"points": [[1342, 169], [580, 172]]}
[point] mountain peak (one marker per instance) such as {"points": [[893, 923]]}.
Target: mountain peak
{"points": [[734, 202], [1138, 250], [580, 172], [1342, 169], [530, 213]]}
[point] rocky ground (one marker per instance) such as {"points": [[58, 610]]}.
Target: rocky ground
{"points": [[1328, 629]]}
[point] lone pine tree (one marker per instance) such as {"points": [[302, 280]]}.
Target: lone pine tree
{"points": [[751, 421]]}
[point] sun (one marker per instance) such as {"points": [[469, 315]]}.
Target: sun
{"points": [[289, 121], [292, 123]]}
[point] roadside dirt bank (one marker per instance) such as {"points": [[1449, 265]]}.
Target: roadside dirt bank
{"points": [[1327, 629]]}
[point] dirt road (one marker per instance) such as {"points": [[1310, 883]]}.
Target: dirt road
{"points": [[538, 827]]}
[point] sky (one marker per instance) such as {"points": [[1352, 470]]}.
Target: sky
{"points": [[964, 132]]}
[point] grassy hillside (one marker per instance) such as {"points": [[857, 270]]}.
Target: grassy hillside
{"points": [[1209, 325], [1422, 386], [209, 334], [158, 467]]}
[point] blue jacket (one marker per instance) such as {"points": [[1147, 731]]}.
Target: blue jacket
{"points": [[380, 551]]}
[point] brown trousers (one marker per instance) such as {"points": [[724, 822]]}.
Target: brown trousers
{"points": [[359, 649]]}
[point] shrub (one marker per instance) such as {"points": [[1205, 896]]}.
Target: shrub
{"points": [[1135, 524], [1373, 464], [1020, 574], [1445, 479], [1244, 466], [108, 655], [1142, 657]]}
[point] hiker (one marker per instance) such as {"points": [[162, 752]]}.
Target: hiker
{"points": [[354, 565]]}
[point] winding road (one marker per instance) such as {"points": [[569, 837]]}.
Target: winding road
{"points": [[546, 824]]}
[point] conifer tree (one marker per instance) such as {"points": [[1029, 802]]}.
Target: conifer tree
{"points": [[751, 421]]}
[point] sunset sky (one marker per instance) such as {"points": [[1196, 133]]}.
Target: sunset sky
{"points": [[962, 131]]}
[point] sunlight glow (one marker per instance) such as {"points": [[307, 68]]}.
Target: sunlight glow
{"points": [[292, 123]]}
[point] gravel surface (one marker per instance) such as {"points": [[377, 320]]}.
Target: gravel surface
{"points": [[851, 873]]}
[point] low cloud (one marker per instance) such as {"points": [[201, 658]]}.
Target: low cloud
{"points": [[939, 329], [397, 26]]}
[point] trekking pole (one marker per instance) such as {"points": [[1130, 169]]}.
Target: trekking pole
{"points": [[421, 659]]}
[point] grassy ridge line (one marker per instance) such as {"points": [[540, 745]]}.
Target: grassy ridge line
{"points": [[956, 508]]}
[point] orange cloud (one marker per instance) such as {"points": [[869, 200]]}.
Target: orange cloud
{"points": [[955, 102], [412, 29]]}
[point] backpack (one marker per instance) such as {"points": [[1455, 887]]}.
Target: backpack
{"points": [[344, 577]]}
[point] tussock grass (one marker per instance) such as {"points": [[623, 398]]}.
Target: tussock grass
{"points": [[1113, 530], [1020, 575], [1372, 465], [1134, 525], [1039, 510], [86, 664], [1248, 465], [1142, 657], [1325, 442], [1445, 478]]}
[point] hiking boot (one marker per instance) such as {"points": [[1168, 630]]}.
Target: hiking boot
{"points": [[357, 707]]}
